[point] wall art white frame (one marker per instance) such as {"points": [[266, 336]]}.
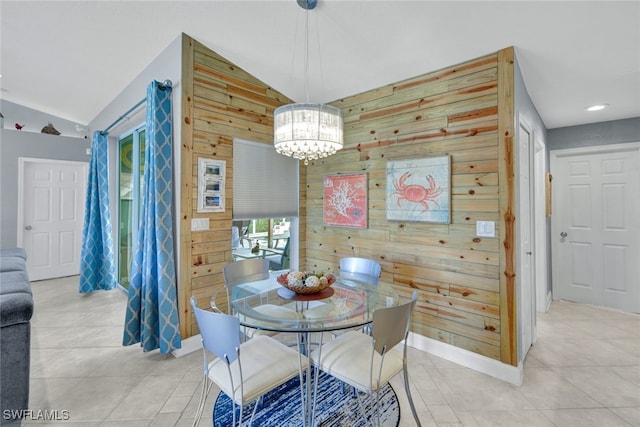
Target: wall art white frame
{"points": [[211, 184]]}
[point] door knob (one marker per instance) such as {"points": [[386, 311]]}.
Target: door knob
{"points": [[28, 227], [563, 234]]}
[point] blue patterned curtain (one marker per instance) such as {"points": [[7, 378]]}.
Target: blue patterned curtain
{"points": [[152, 308], [97, 268]]}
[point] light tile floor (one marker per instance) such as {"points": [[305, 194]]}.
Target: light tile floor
{"points": [[584, 370]]}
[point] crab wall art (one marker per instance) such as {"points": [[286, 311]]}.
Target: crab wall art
{"points": [[419, 189]]}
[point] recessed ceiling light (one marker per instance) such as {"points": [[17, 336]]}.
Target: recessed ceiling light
{"points": [[597, 107]]}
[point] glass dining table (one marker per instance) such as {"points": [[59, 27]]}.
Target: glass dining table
{"points": [[266, 305]]}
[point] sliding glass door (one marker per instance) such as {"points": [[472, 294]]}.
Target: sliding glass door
{"points": [[130, 190]]}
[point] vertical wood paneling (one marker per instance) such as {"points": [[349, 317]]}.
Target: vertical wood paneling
{"points": [[186, 185], [464, 280], [220, 102], [466, 283], [506, 176]]}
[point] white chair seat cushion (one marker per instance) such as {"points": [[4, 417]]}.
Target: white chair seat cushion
{"points": [[322, 311], [278, 312], [348, 358], [266, 363], [275, 311]]}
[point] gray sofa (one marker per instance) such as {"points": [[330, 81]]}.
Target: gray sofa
{"points": [[16, 309]]}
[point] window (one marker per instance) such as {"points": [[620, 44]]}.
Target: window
{"points": [[265, 201], [268, 238], [130, 191], [266, 232]]}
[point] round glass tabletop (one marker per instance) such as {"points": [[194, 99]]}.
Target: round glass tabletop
{"points": [[266, 305]]}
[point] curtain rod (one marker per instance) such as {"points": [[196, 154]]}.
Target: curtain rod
{"points": [[165, 84]]}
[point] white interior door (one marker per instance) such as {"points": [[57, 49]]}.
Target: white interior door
{"points": [[51, 215], [526, 294], [596, 226]]}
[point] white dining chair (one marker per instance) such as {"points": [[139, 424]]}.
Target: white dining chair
{"points": [[243, 371], [251, 270], [368, 362], [360, 270]]}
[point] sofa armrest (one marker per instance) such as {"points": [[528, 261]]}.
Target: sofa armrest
{"points": [[13, 252]]}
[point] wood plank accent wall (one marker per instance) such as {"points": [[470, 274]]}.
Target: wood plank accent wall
{"points": [[220, 102], [466, 283]]}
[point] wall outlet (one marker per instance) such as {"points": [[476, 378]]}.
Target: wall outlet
{"points": [[485, 229], [198, 224]]}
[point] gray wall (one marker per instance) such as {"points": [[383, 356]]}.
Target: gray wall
{"points": [[524, 106], [34, 120], [167, 65], [15, 144], [613, 132], [71, 144]]}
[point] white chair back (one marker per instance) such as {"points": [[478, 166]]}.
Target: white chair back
{"points": [[246, 270], [220, 332], [360, 270], [391, 324]]}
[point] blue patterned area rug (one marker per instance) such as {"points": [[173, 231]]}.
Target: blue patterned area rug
{"points": [[281, 407]]}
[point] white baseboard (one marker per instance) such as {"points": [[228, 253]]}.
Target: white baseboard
{"points": [[189, 345], [511, 374]]}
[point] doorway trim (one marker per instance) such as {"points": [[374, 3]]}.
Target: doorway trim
{"points": [[526, 295], [541, 247]]}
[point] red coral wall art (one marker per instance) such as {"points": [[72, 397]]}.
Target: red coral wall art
{"points": [[345, 201]]}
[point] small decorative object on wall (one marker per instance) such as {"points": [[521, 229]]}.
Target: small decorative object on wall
{"points": [[50, 129], [211, 176], [345, 200], [419, 190], [19, 126]]}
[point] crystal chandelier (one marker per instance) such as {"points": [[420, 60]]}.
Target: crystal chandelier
{"points": [[307, 131]]}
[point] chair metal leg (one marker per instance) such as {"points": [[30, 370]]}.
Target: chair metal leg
{"points": [[360, 405], [255, 408], [240, 420], [206, 386], [377, 403], [406, 387]]}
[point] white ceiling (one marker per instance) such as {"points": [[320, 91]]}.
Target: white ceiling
{"points": [[71, 58]]}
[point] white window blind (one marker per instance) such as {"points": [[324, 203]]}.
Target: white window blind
{"points": [[265, 183]]}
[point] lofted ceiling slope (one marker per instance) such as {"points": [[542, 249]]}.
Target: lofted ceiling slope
{"points": [[72, 58]]}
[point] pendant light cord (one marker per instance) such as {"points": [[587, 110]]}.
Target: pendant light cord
{"points": [[306, 56]]}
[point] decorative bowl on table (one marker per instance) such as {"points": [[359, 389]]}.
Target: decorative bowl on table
{"points": [[306, 282]]}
